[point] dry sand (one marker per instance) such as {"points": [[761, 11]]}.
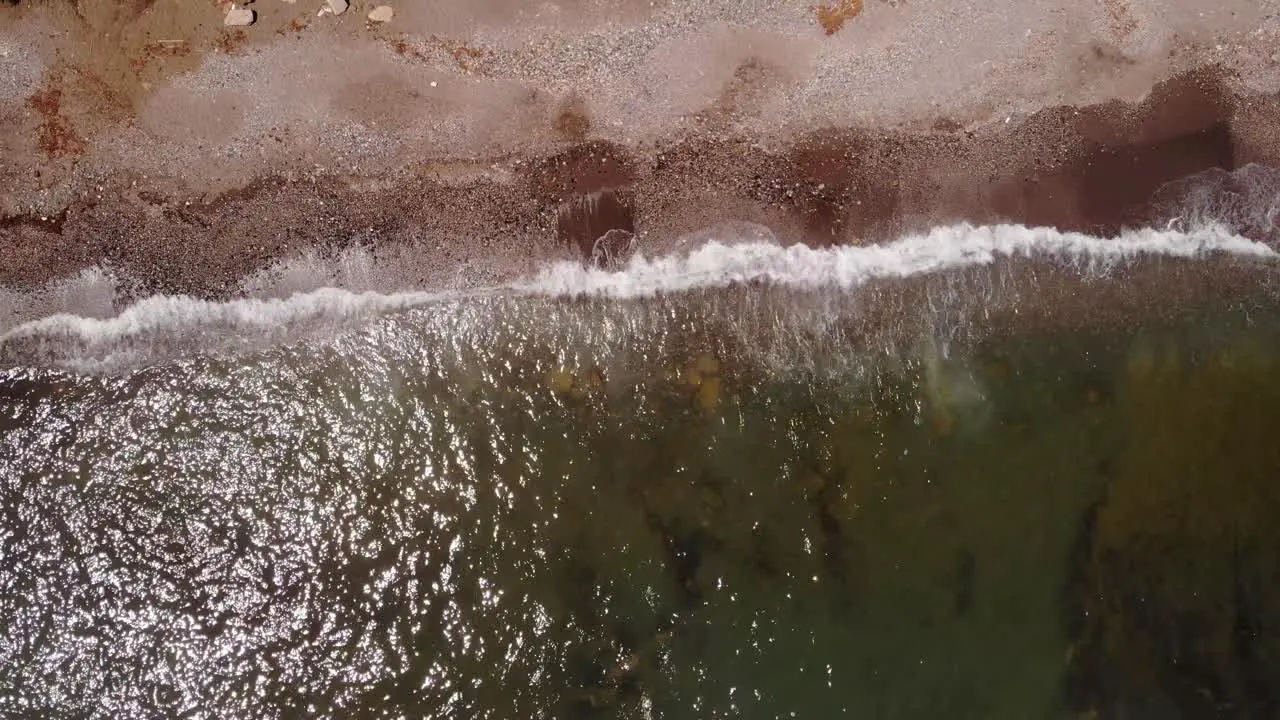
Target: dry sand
{"points": [[146, 136]]}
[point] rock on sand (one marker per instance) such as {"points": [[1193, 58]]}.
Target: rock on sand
{"points": [[237, 17], [382, 13]]}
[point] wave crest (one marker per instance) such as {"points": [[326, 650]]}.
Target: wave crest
{"points": [[165, 327]]}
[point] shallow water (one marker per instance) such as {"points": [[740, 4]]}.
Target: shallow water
{"points": [[938, 498]]}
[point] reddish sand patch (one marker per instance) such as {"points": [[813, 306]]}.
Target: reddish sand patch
{"points": [[464, 55], [57, 137], [833, 17], [153, 51], [231, 42]]}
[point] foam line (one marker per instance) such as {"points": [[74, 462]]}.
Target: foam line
{"points": [[712, 265], [163, 312], [944, 248]]}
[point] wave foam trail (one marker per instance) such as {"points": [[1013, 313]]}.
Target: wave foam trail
{"points": [[327, 306], [174, 326], [944, 248]]}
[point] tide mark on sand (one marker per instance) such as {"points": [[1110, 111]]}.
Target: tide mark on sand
{"points": [[832, 17]]}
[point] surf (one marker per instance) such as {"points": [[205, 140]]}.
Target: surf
{"points": [[165, 326]]}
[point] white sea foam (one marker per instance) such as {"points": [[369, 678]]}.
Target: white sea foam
{"points": [[162, 312], [945, 248], [167, 326]]}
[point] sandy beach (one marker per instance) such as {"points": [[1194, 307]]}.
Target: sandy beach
{"points": [[484, 138]]}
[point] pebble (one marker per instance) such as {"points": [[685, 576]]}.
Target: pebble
{"points": [[239, 16], [337, 7], [382, 13]]}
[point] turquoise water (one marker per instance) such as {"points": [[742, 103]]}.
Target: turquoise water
{"points": [[749, 502]]}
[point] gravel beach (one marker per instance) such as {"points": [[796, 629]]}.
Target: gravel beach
{"points": [[184, 153]]}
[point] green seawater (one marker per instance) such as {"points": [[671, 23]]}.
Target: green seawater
{"points": [[595, 509]]}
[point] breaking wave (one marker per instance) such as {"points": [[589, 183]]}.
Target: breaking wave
{"points": [[162, 326], [946, 248]]}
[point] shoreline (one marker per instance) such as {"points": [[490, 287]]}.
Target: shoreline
{"points": [[840, 186], [1096, 167], [881, 317]]}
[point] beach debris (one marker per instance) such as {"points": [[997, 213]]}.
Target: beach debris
{"points": [[334, 7], [239, 17], [382, 14], [833, 16]]}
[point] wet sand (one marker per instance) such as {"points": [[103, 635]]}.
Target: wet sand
{"points": [[146, 137]]}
